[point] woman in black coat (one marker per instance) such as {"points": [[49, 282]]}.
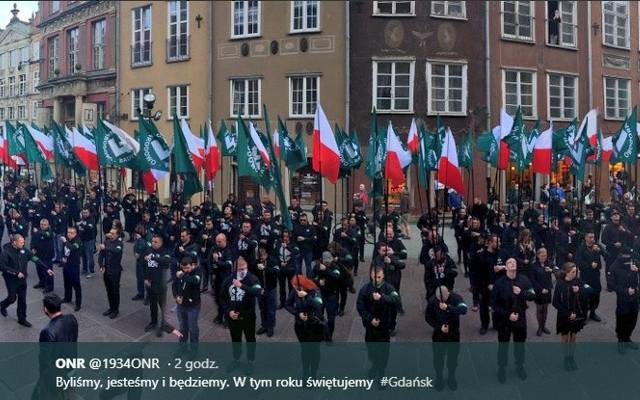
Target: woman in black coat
{"points": [[542, 281], [570, 298]]}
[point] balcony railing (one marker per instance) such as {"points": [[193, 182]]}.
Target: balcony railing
{"points": [[141, 54], [179, 48]]}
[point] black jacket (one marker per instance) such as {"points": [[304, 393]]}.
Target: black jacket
{"points": [[433, 278], [585, 258], [268, 276], [72, 250], [188, 287], [437, 317], [242, 299], [624, 279], [368, 308], [14, 261], [63, 328], [87, 229], [541, 279], [224, 265], [504, 301], [157, 268], [309, 235], [111, 257], [42, 244]]}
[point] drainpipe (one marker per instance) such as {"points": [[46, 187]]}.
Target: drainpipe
{"points": [[117, 62], [590, 59], [487, 79], [347, 95], [210, 59]]}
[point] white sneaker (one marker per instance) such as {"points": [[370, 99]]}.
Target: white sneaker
{"points": [[89, 275]]}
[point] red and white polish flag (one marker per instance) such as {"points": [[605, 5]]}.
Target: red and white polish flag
{"points": [[397, 158], [413, 140], [542, 152], [194, 144], [264, 154], [325, 152], [212, 155], [83, 148], [448, 168], [506, 124]]}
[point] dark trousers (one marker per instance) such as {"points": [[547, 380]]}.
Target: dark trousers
{"points": [[188, 319], [112, 284], [625, 324], [307, 258], [594, 301], [377, 342], [217, 285], [342, 294], [484, 299], [361, 242], [445, 346], [268, 304], [44, 278], [71, 277], [16, 290], [519, 333], [542, 310], [157, 302], [140, 278], [284, 281], [331, 308], [237, 328]]}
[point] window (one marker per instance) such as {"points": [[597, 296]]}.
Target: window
{"points": [[12, 86], [396, 8], [615, 22], [74, 49], [2, 92], [55, 6], [36, 80], [178, 30], [393, 86], [246, 18], [22, 84], [179, 101], [34, 109], [35, 50], [101, 108], [519, 90], [245, 97], [141, 47], [447, 88], [21, 113], [449, 9], [616, 97], [13, 58], [11, 113], [98, 44], [24, 54], [137, 104], [2, 113], [563, 95], [305, 16], [53, 56], [303, 95], [517, 20], [3, 63], [561, 23]]}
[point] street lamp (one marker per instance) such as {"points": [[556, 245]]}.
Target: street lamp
{"points": [[149, 100]]}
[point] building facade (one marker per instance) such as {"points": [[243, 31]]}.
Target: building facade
{"points": [[289, 55], [78, 68], [419, 59], [164, 49], [17, 70]]}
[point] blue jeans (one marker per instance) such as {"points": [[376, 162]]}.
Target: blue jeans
{"points": [[88, 264], [267, 303], [331, 308], [58, 248], [307, 258], [188, 319]]}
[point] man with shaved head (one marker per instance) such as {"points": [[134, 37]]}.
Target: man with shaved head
{"points": [[221, 261]]}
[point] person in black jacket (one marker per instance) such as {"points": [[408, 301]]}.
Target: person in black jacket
{"points": [[377, 304], [87, 232], [42, 246], [626, 281], [326, 274], [289, 255], [443, 314], [305, 304], [59, 222], [570, 298], [589, 261], [156, 276], [267, 269], [440, 270], [13, 263], [186, 291], [481, 268], [542, 281], [61, 328], [509, 298], [305, 235], [130, 210], [186, 248], [110, 262], [614, 238], [239, 293], [221, 261], [72, 254]]}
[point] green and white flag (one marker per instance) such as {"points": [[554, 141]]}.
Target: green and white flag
{"points": [[465, 153], [277, 178], [518, 142], [488, 144], [228, 140], [294, 156], [183, 164], [63, 153], [34, 154], [251, 161], [531, 141], [579, 152], [115, 147], [154, 156], [15, 140], [625, 142]]}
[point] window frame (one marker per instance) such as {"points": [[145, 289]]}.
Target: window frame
{"points": [[95, 46], [22, 84], [560, 45], [292, 29], [576, 93], [177, 56], [178, 106], [465, 83], [140, 104], [446, 16], [534, 91], [374, 83], [75, 53], [627, 28], [604, 95], [142, 30], [305, 100], [517, 37], [55, 9], [53, 62], [393, 13], [246, 96], [245, 21]]}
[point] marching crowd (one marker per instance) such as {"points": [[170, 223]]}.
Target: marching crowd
{"points": [[549, 253]]}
